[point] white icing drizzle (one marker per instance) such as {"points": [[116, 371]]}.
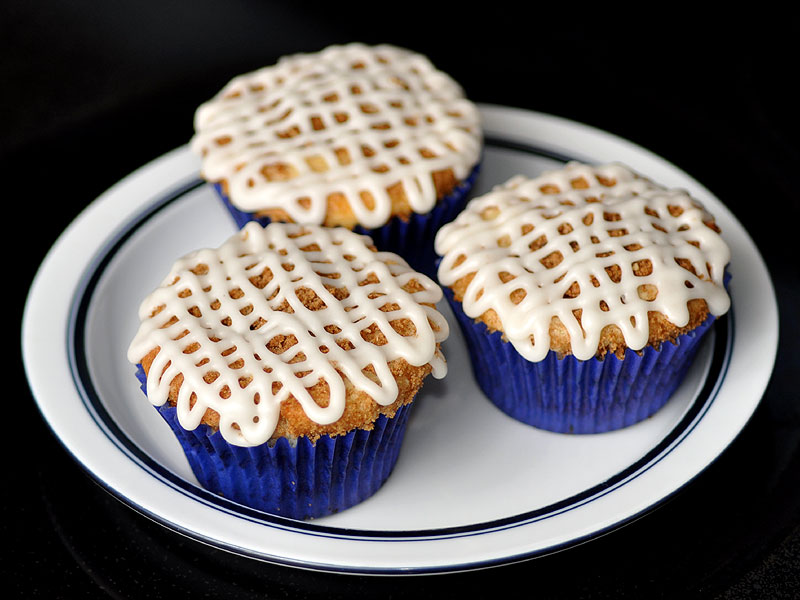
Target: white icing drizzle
{"points": [[226, 293], [494, 235], [303, 110]]}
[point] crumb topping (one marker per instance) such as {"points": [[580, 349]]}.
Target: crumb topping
{"points": [[350, 135], [289, 330], [585, 260]]}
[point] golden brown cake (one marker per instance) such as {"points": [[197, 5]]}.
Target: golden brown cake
{"points": [[286, 336], [585, 262], [352, 135]]}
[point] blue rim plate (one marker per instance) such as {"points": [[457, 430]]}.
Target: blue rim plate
{"points": [[472, 488]]}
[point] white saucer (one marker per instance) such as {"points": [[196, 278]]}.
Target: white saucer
{"points": [[472, 488]]}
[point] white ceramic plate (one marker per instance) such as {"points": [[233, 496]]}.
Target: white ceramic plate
{"points": [[472, 488]]}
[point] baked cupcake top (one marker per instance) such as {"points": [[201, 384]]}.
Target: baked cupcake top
{"points": [[585, 260], [286, 331], [350, 135]]}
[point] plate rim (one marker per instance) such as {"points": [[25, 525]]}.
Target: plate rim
{"points": [[495, 112]]}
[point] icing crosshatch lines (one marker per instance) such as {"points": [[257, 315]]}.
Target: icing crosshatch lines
{"points": [[592, 246], [376, 128], [278, 311]]}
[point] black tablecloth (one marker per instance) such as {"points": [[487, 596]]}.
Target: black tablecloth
{"points": [[92, 90]]}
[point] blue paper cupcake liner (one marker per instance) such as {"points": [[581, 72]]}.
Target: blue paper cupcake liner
{"points": [[300, 481], [567, 395], [412, 238]]}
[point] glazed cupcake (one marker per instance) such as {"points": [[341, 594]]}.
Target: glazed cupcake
{"points": [[371, 138], [583, 294], [286, 362]]}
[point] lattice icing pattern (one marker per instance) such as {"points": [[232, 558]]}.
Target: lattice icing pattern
{"points": [[315, 290], [352, 120], [592, 246]]}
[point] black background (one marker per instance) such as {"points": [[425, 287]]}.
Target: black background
{"points": [[93, 90]]}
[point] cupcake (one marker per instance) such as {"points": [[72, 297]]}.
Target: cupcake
{"points": [[583, 294], [286, 362], [371, 138]]}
